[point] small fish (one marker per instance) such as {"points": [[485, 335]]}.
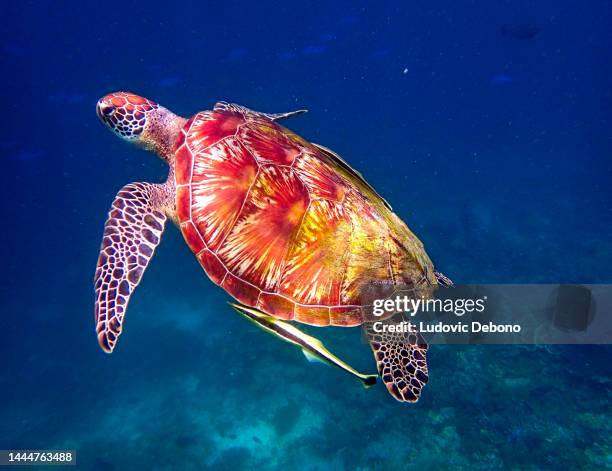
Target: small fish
{"points": [[313, 349]]}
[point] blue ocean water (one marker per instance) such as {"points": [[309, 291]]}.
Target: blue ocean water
{"points": [[487, 125]]}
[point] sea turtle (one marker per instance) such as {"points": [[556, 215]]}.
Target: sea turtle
{"points": [[285, 226]]}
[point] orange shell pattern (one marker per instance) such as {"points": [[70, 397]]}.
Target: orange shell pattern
{"points": [[282, 226]]}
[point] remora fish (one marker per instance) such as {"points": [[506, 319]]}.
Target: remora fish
{"points": [[312, 348]]}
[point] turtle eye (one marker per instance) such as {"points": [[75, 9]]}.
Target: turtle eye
{"points": [[107, 109]]}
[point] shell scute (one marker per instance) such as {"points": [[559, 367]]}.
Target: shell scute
{"points": [[368, 254], [346, 315], [276, 305], [192, 237], [320, 177], [268, 143], [313, 315], [209, 127], [222, 177], [182, 165], [183, 203], [256, 248], [316, 261], [241, 290], [213, 267]]}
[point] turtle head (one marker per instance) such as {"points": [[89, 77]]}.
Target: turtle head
{"points": [[141, 122]]}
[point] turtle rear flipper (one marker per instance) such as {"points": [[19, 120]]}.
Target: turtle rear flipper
{"points": [[132, 231], [400, 358]]}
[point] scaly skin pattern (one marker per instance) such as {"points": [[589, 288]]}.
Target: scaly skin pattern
{"points": [[132, 231], [124, 113], [142, 122], [400, 360], [284, 227]]}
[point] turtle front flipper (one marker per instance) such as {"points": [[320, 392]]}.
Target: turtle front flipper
{"points": [[400, 358], [132, 231]]}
